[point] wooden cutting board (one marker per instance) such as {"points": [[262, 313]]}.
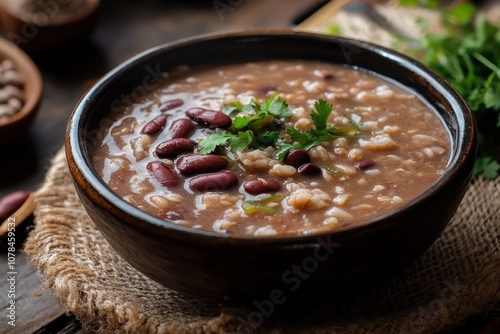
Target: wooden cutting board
{"points": [[335, 18]]}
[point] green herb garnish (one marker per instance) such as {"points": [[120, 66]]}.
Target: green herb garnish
{"points": [[254, 128], [210, 144], [321, 132], [265, 206]]}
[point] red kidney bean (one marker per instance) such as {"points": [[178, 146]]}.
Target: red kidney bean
{"points": [[364, 164], [309, 169], [11, 202], [297, 158], [164, 174], [207, 132], [267, 91], [197, 164], [323, 74], [174, 147], [176, 214], [167, 105], [213, 181], [213, 119], [155, 125], [259, 186], [181, 128]]}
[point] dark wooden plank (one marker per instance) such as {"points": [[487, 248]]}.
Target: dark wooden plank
{"points": [[62, 325], [29, 312]]}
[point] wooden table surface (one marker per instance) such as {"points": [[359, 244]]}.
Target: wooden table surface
{"points": [[125, 28]]}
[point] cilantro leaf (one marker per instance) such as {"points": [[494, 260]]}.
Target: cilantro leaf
{"points": [[279, 108], [237, 106], [321, 131], [275, 106], [266, 139], [240, 123], [248, 130], [254, 129], [310, 138], [298, 136], [230, 109], [282, 149], [487, 167], [321, 114], [241, 141], [210, 144], [460, 14]]}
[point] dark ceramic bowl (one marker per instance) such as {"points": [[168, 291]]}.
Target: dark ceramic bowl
{"points": [[243, 269]]}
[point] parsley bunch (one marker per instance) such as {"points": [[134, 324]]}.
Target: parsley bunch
{"points": [[467, 55]]}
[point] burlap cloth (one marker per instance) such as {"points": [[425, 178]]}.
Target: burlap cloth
{"points": [[458, 277]]}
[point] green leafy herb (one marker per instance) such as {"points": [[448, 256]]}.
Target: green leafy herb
{"points": [[487, 166], [332, 168], [277, 107], [434, 4], [283, 148], [467, 55], [310, 138], [321, 114], [210, 144], [253, 128], [321, 132], [334, 29], [230, 109], [240, 123], [266, 139], [241, 140], [265, 206]]}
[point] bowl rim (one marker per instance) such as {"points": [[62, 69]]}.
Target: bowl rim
{"points": [[82, 171], [32, 80]]}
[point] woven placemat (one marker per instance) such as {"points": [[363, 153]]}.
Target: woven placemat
{"points": [[458, 277]]}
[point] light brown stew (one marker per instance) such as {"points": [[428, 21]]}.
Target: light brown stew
{"points": [[400, 150]]}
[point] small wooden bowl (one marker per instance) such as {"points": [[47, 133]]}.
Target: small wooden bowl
{"points": [[45, 30], [13, 127]]}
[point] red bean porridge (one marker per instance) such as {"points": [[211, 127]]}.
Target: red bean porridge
{"points": [[272, 148]]}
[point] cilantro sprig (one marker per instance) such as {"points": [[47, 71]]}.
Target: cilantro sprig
{"points": [[321, 132], [254, 128]]}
